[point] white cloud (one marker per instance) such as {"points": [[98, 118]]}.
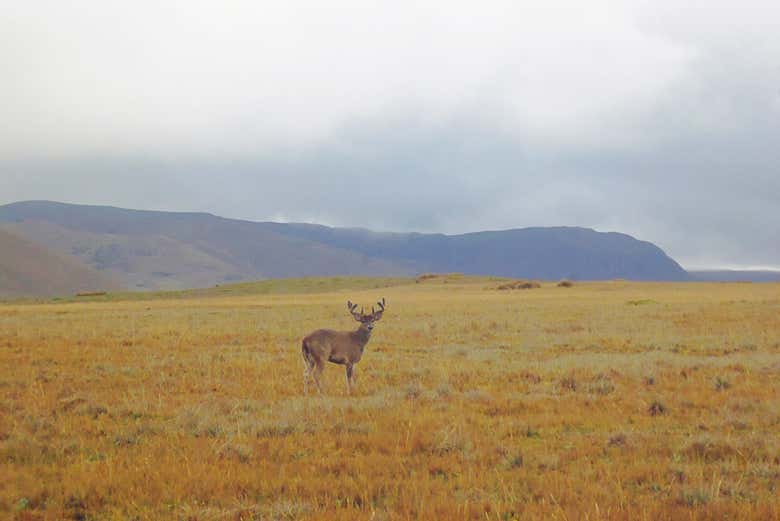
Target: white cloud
{"points": [[221, 77], [654, 118]]}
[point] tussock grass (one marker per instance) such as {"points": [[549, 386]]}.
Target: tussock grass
{"points": [[471, 403], [519, 284]]}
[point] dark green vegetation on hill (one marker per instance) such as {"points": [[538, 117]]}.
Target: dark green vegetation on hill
{"points": [[165, 250]]}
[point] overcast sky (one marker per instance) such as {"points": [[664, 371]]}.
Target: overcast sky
{"points": [[646, 118]]}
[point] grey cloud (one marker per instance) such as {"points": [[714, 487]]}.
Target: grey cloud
{"points": [[686, 160]]}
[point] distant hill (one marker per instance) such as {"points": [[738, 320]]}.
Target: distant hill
{"points": [[28, 269], [166, 250], [539, 253], [736, 275]]}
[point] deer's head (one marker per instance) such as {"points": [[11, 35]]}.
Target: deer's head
{"points": [[367, 319]]}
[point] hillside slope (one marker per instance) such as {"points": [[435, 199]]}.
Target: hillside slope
{"points": [[166, 250], [28, 269]]}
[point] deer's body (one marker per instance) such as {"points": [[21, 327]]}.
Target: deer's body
{"points": [[339, 347]]}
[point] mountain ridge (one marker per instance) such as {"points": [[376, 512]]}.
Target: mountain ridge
{"points": [[150, 249]]}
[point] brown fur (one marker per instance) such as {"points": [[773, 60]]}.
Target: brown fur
{"points": [[338, 347]]}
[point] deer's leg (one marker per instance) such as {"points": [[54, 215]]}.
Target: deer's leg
{"points": [[317, 374], [306, 373], [349, 378], [307, 367]]}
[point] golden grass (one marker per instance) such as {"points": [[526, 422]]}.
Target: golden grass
{"points": [[612, 400]]}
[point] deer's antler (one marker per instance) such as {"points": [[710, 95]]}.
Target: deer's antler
{"points": [[352, 307], [362, 316], [378, 314]]}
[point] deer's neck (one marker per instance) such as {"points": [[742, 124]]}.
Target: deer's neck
{"points": [[362, 336]]}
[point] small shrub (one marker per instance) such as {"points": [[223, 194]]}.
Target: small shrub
{"points": [[413, 390], [288, 509], [514, 461], [71, 402], [656, 408], [477, 395], [241, 453], [618, 440], [739, 425], [569, 383], [273, 429], [92, 410], [451, 441], [565, 284], [444, 276], [519, 284], [76, 506], [444, 390], [721, 384], [601, 385], [531, 377], [200, 423], [530, 432], [709, 452], [125, 441], [90, 293], [694, 498]]}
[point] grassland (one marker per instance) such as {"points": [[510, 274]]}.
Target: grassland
{"points": [[609, 400]]}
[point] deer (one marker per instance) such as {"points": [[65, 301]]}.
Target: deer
{"points": [[339, 347]]}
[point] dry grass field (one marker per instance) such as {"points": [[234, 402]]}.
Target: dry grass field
{"points": [[611, 400]]}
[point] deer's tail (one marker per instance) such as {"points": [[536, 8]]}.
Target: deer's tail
{"points": [[308, 360]]}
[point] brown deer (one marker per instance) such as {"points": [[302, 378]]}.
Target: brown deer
{"points": [[340, 347]]}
